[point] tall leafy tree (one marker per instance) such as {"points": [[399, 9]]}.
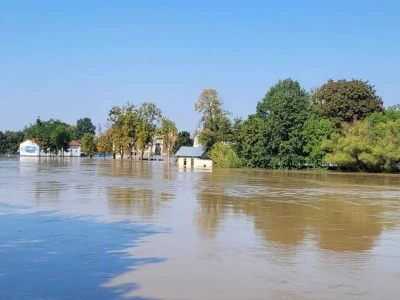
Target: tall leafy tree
{"points": [[284, 112], [251, 143], [2, 142], [129, 126], [9, 141], [89, 145], [83, 126], [60, 138], [104, 143], [183, 139], [149, 119], [123, 128], [345, 101], [168, 131], [51, 136], [315, 131], [214, 124]]}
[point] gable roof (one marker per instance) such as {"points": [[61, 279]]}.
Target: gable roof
{"points": [[184, 151], [74, 143]]}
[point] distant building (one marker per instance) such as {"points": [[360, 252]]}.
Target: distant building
{"points": [[30, 148], [196, 142], [193, 157]]}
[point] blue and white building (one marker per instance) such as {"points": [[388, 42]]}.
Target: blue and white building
{"points": [[30, 148]]}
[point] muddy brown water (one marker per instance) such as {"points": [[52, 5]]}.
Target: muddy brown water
{"points": [[225, 234]]}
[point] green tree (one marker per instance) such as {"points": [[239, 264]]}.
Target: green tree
{"points": [[215, 124], [345, 101], [149, 118], [51, 136], [224, 156], [129, 126], [144, 136], [104, 143], [9, 141], [60, 138], [83, 126], [315, 131], [183, 139], [42, 134], [89, 145], [366, 146], [284, 111], [124, 124], [251, 143], [2, 143], [117, 140], [168, 131]]}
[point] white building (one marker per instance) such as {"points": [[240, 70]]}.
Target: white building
{"points": [[196, 142], [193, 157], [30, 148]]}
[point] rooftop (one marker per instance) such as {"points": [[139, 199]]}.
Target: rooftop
{"points": [[185, 151]]}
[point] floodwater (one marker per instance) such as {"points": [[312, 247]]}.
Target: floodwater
{"points": [[104, 229]]}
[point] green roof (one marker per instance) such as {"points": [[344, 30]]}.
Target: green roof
{"points": [[184, 151]]}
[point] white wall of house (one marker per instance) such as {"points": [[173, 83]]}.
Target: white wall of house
{"points": [[74, 151], [29, 148], [197, 162]]}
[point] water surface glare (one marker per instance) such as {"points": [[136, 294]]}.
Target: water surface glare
{"points": [[104, 229]]}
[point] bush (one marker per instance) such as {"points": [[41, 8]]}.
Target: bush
{"points": [[224, 156]]}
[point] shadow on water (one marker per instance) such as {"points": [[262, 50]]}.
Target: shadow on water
{"points": [[48, 256]]}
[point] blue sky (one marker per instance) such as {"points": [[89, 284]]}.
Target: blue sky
{"points": [[74, 59]]}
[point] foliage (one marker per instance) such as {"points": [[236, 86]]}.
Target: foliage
{"points": [[284, 111], [250, 144], [183, 139], [345, 101], [149, 118], [117, 139], [51, 136], [60, 139], [124, 128], [9, 141], [83, 126], [89, 145], [168, 131], [104, 143], [215, 124], [366, 146], [315, 131], [223, 156]]}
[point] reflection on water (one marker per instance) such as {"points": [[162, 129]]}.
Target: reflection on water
{"points": [[225, 234], [287, 211]]}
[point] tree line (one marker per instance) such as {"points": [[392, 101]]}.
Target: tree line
{"points": [[51, 135], [342, 124], [131, 129]]}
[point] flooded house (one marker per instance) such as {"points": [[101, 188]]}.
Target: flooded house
{"points": [[30, 148], [155, 148], [193, 157]]}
